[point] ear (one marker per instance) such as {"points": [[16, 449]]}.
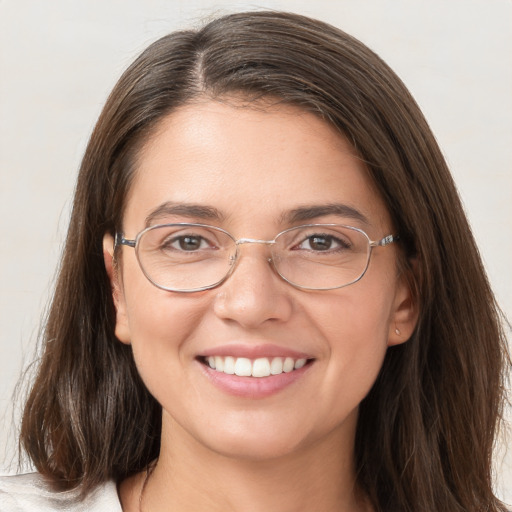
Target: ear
{"points": [[404, 315], [122, 330]]}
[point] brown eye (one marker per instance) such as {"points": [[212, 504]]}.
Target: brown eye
{"points": [[320, 243], [189, 243], [186, 243]]}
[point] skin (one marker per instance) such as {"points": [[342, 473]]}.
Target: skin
{"points": [[293, 450]]}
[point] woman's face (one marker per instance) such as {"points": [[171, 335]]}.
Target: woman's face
{"points": [[256, 172]]}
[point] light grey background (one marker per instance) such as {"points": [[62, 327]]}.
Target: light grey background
{"points": [[60, 58]]}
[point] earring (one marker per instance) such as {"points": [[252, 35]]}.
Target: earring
{"points": [[397, 331]]}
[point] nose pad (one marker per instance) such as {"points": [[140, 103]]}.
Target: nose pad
{"points": [[235, 257], [254, 292], [254, 256]]}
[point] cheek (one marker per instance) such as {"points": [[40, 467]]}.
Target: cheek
{"points": [[360, 316], [159, 322], [354, 325], [162, 319], [162, 326]]}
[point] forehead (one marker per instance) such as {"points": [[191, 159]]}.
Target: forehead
{"points": [[247, 162]]}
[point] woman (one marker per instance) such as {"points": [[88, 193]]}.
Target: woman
{"points": [[270, 298]]}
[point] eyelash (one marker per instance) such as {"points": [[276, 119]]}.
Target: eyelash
{"points": [[341, 244], [169, 243]]}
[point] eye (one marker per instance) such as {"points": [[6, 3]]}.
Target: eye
{"points": [[323, 242], [187, 243]]}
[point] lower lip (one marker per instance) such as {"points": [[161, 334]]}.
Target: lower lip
{"points": [[253, 387]]}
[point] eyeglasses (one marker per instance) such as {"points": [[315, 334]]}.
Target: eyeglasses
{"points": [[194, 257]]}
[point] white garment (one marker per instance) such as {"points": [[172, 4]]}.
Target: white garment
{"points": [[31, 493]]}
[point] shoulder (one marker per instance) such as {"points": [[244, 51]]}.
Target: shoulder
{"points": [[29, 492]]}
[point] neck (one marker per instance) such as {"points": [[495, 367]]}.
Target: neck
{"points": [[189, 476]]}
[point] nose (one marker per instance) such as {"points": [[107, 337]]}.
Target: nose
{"points": [[253, 294]]}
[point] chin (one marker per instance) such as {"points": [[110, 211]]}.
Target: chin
{"points": [[274, 438], [255, 448], [253, 437]]}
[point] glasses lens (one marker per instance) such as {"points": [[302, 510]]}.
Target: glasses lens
{"points": [[321, 257], [185, 257]]}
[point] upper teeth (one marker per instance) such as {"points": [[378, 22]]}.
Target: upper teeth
{"points": [[261, 367]]}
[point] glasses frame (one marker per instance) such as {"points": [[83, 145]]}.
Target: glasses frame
{"points": [[134, 243]]}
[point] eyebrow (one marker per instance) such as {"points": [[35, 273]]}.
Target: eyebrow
{"points": [[190, 210], [300, 214], [306, 213]]}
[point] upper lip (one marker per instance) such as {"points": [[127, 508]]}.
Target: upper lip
{"points": [[254, 351]]}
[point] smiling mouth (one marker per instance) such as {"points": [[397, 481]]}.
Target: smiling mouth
{"points": [[260, 367]]}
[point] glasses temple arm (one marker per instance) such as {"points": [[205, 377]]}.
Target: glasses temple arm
{"points": [[385, 241], [121, 240]]}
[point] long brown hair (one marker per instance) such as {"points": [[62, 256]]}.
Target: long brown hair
{"points": [[426, 430]]}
